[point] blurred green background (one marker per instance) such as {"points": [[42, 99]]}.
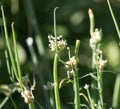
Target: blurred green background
{"points": [[73, 23]]}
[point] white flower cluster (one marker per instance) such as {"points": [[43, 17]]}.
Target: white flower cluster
{"points": [[61, 43], [95, 38]]}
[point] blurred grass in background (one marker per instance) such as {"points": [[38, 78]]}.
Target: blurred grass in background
{"points": [[72, 23]]}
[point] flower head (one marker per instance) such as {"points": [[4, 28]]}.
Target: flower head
{"points": [[61, 43]]}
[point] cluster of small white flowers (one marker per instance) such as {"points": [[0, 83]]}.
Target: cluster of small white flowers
{"points": [[95, 38], [61, 43], [100, 63]]}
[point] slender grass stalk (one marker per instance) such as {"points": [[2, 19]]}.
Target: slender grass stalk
{"points": [[76, 80], [113, 17], [90, 99], [4, 101], [16, 56], [7, 62], [116, 94], [56, 87], [8, 45]]}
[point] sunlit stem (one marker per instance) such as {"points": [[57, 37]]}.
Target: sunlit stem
{"points": [[76, 80], [16, 56], [56, 87], [8, 45]]}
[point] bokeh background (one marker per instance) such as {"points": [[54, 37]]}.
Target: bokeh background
{"points": [[73, 23]]}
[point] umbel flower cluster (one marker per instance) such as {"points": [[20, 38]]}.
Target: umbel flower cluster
{"points": [[61, 43]]}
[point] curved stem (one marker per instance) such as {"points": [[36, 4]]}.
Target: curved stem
{"points": [[55, 33]]}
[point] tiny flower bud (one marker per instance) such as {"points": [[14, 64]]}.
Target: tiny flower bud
{"points": [[86, 86]]}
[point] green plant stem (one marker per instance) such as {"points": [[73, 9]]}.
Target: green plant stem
{"points": [[76, 89], [55, 34], [16, 56], [76, 80], [100, 87], [8, 45], [31, 106], [90, 99], [4, 101], [116, 94], [56, 87], [114, 20]]}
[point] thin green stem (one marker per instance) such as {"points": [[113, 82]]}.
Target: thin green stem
{"points": [[90, 99], [55, 34], [116, 94], [100, 87], [31, 106], [8, 45], [113, 17], [76, 79], [76, 90], [16, 56], [4, 101], [7, 62], [56, 87]]}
